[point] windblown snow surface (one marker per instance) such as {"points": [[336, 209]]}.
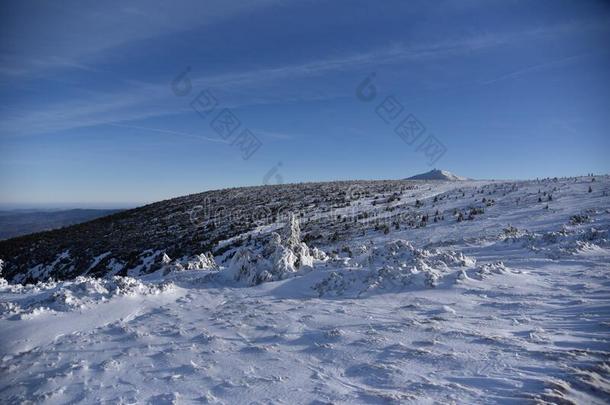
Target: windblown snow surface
{"points": [[508, 305]]}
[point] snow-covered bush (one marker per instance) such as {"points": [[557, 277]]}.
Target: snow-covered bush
{"points": [[488, 269], [202, 261], [395, 264], [280, 257], [3, 282], [80, 293], [566, 241]]}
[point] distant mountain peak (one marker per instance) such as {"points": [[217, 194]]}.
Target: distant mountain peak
{"points": [[436, 174]]}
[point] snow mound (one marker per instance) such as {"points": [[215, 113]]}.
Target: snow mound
{"points": [[81, 293], [565, 242], [488, 269], [396, 264]]}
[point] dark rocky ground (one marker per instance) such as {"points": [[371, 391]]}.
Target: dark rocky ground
{"points": [[180, 227]]}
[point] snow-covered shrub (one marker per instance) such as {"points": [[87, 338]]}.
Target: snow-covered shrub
{"points": [[280, 257], [488, 269], [3, 282], [244, 266], [579, 219], [401, 253], [318, 254], [511, 233], [79, 293], [555, 244], [202, 261], [335, 283], [396, 264]]}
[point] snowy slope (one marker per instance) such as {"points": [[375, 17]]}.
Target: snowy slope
{"points": [[447, 292], [436, 174]]}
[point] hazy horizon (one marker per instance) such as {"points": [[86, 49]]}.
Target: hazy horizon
{"points": [[129, 205]]}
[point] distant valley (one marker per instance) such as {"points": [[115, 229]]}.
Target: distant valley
{"points": [[21, 222]]}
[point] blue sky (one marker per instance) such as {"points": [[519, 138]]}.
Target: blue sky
{"points": [[511, 89]]}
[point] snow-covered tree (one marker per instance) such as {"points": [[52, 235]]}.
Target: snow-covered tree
{"points": [[281, 256]]}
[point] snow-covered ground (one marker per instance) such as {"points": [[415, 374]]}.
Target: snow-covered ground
{"points": [[509, 306]]}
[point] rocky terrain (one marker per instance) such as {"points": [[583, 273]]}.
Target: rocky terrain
{"points": [[135, 241]]}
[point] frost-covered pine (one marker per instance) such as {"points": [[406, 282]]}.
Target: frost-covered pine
{"points": [[292, 232], [166, 259], [283, 261], [280, 257], [211, 260], [304, 257], [292, 241], [169, 265], [202, 262], [251, 268]]}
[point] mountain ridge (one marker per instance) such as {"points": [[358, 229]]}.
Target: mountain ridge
{"points": [[437, 174]]}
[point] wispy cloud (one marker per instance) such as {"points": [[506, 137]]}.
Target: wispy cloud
{"points": [[275, 135], [538, 67], [69, 35], [170, 132], [144, 100]]}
